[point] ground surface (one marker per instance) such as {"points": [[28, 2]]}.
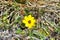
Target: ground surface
{"points": [[46, 13]]}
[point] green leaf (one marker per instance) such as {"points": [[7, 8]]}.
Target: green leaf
{"points": [[17, 19], [18, 31]]}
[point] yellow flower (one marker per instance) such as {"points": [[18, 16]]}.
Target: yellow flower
{"points": [[29, 21]]}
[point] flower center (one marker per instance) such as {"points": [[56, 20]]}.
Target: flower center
{"points": [[29, 21]]}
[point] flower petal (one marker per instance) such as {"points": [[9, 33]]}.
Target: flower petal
{"points": [[27, 24]]}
